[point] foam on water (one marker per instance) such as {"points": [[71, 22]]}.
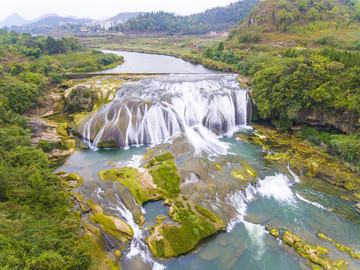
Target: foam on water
{"points": [[135, 162], [277, 187], [191, 179], [256, 234], [238, 200]]}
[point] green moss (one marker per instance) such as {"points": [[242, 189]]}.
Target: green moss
{"points": [[181, 239], [117, 254], [74, 177], [218, 167], [160, 247], [128, 177], [324, 237], [341, 247], [238, 175], [274, 232], [314, 252], [206, 213], [164, 173], [277, 156], [103, 220], [107, 144], [312, 167], [108, 225]]}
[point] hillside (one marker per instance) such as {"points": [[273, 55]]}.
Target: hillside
{"points": [[123, 17], [332, 23], [215, 19]]}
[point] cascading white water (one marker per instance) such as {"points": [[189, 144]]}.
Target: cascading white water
{"points": [[278, 187], [155, 110], [137, 246], [238, 201]]}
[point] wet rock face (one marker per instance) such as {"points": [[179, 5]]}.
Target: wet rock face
{"points": [[155, 110]]}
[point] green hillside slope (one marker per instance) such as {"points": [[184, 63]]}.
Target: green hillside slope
{"points": [[216, 19], [303, 22]]}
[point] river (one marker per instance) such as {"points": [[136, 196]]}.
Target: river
{"points": [[277, 198], [135, 62]]}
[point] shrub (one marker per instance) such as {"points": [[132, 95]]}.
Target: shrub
{"points": [[347, 146], [310, 134], [45, 146], [249, 37]]}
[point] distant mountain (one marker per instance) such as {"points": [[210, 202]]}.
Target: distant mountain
{"points": [[216, 19], [13, 19], [123, 17], [58, 20], [45, 16]]}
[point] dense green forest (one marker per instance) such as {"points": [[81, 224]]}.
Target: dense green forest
{"points": [[216, 19], [37, 227], [298, 73]]}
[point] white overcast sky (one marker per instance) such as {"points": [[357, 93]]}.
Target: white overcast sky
{"points": [[95, 9]]}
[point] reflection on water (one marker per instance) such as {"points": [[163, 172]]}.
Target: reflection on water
{"points": [[154, 63]]}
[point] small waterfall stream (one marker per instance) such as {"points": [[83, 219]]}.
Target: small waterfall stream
{"points": [[138, 246]]}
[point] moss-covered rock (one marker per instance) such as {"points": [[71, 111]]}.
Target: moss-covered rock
{"points": [[341, 247], [108, 144], [111, 225], [274, 232], [316, 254], [164, 172], [93, 237], [172, 240], [218, 167], [139, 183], [304, 158], [238, 175]]}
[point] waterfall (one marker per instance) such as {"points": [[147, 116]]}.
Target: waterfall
{"points": [[155, 110], [138, 247], [238, 201]]}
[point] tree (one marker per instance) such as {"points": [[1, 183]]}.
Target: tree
{"points": [[209, 53], [313, 14], [302, 5], [221, 46]]}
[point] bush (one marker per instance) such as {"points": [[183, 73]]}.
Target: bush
{"points": [[45, 146], [310, 134], [347, 146], [20, 96], [249, 37]]}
